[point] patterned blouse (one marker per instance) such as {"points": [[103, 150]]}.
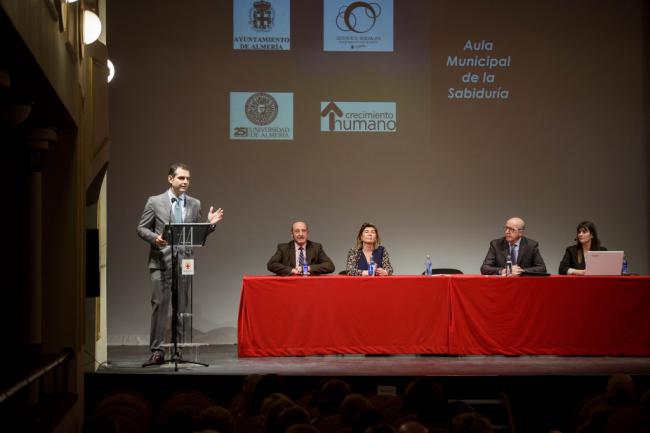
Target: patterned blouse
{"points": [[356, 261]]}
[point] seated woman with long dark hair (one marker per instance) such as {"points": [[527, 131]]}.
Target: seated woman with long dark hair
{"points": [[367, 249], [586, 239]]}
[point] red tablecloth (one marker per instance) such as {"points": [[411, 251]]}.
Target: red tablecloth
{"points": [[460, 314], [335, 314]]}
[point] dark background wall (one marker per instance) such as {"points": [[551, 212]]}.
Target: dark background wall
{"points": [[570, 143]]}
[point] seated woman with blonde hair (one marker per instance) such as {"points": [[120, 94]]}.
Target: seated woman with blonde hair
{"points": [[368, 249], [586, 239]]}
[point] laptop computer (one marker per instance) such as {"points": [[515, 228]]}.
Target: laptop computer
{"points": [[604, 262]]}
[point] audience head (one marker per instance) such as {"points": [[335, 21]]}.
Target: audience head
{"points": [[248, 387], [380, 428], [271, 411], [367, 419], [458, 407], [412, 427], [290, 416], [302, 428], [331, 395], [216, 418], [271, 400], [514, 229], [585, 233], [299, 232], [353, 405], [620, 388], [471, 422], [368, 234], [426, 398], [267, 385]]}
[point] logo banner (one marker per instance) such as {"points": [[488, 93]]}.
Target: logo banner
{"points": [[357, 25], [261, 116], [339, 116], [261, 25]]}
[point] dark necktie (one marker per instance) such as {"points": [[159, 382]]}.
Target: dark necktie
{"points": [[513, 255], [301, 257], [178, 212]]}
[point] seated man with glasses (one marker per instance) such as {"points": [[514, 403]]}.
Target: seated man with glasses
{"points": [[290, 257], [524, 252]]}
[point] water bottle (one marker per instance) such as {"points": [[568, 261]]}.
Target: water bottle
{"points": [[508, 266], [371, 268], [305, 268], [624, 269], [428, 266]]}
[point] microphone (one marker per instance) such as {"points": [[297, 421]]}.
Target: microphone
{"points": [[508, 265]]}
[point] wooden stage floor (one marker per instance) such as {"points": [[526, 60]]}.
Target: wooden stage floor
{"points": [[223, 360]]}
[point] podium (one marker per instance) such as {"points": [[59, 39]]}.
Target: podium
{"points": [[182, 237]]}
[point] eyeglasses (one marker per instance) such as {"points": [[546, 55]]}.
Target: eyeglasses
{"points": [[512, 229]]}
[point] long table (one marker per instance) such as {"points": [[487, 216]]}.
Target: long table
{"points": [[457, 314]]}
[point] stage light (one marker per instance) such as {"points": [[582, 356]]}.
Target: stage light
{"points": [[111, 70], [92, 27]]}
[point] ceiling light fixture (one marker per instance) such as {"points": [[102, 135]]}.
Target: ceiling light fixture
{"points": [[111, 70], [92, 27]]}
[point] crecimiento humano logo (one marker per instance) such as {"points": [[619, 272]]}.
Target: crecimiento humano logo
{"points": [[337, 116]]}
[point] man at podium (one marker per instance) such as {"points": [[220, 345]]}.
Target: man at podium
{"points": [[172, 206]]}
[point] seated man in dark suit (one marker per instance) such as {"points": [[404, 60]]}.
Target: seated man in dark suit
{"points": [[524, 252], [289, 257]]}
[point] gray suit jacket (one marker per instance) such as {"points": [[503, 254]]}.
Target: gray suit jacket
{"points": [[529, 258], [156, 214]]}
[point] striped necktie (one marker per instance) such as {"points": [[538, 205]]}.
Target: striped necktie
{"points": [[301, 257]]}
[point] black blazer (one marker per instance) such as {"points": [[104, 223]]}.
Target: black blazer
{"points": [[529, 258], [284, 259], [570, 259]]}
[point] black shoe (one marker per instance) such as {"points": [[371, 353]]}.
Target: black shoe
{"points": [[178, 356], [156, 358]]}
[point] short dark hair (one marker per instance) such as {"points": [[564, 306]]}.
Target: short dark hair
{"points": [[175, 166]]}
